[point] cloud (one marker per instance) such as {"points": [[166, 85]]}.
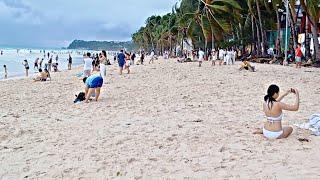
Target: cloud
{"points": [[56, 22]]}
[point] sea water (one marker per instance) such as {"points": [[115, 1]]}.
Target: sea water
{"points": [[13, 59]]}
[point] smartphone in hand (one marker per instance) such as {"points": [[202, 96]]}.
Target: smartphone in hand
{"points": [[293, 91]]}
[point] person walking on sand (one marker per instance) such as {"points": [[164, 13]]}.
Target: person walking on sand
{"points": [[299, 54], [69, 62], [152, 57], [5, 71], [93, 85], [121, 61], [273, 109], [128, 61], [87, 68], [201, 57], [103, 63], [26, 66]]}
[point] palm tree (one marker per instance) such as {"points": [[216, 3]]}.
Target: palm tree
{"points": [[312, 9]]}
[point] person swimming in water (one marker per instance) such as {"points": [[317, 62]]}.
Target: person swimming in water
{"points": [[273, 109]]}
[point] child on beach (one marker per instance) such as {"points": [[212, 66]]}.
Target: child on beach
{"points": [[273, 109], [26, 66], [299, 54]]}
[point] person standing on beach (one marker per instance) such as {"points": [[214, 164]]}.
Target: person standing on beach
{"points": [[50, 63], [201, 57], [93, 85], [26, 66], [121, 61], [87, 68], [133, 56], [128, 62], [40, 63], [214, 57], [142, 57], [152, 57], [69, 62], [5, 71], [299, 54], [103, 62], [36, 64]]}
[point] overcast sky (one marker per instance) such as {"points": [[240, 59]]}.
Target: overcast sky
{"points": [[55, 23]]}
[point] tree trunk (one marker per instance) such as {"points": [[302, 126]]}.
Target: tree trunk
{"points": [[278, 41], [263, 48], [258, 40], [253, 34], [316, 52]]}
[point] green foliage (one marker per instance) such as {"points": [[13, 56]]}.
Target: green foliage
{"points": [[101, 45]]}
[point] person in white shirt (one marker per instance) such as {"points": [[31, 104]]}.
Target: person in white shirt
{"points": [[87, 68], [214, 55], [152, 57], [234, 56], [221, 56], [201, 57]]}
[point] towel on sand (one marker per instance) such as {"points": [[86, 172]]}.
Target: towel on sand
{"points": [[313, 124]]}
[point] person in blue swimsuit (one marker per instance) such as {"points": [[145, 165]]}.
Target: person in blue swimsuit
{"points": [[121, 60], [93, 84]]}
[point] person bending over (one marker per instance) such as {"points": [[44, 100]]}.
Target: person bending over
{"points": [[247, 66], [93, 85], [273, 109]]}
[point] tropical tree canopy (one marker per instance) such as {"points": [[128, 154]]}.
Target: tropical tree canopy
{"points": [[228, 23]]}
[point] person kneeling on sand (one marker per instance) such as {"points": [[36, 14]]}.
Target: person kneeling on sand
{"points": [[247, 66], [42, 76], [273, 109], [93, 85]]}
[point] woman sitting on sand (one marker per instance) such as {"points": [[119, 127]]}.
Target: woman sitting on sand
{"points": [[42, 76], [247, 66], [273, 108]]}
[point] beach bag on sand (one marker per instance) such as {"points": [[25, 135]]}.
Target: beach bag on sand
{"points": [[80, 97], [314, 123]]}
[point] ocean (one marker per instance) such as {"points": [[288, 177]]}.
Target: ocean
{"points": [[13, 59]]}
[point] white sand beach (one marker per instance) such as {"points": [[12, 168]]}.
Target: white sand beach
{"points": [[164, 121]]}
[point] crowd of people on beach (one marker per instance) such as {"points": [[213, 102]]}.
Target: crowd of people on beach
{"points": [[95, 74], [48, 63]]}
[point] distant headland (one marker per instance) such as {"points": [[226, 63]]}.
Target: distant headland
{"points": [[101, 45]]}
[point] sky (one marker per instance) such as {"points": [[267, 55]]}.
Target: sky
{"points": [[55, 23]]}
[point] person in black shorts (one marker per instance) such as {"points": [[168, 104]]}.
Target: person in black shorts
{"points": [[26, 66]]}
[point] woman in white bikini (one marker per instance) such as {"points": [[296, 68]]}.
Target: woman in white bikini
{"points": [[273, 108]]}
